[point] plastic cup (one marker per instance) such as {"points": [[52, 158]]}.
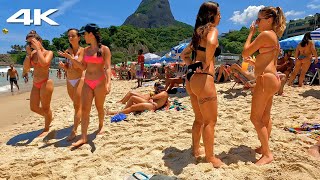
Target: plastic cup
{"points": [[244, 66]]}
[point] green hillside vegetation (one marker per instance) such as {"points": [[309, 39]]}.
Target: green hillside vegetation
{"points": [[125, 41]]}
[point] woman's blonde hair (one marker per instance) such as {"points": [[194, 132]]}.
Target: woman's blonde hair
{"points": [[279, 20]]}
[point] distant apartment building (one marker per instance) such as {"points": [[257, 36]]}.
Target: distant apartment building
{"points": [[301, 26]]}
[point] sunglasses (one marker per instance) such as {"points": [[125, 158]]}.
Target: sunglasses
{"points": [[259, 19]]}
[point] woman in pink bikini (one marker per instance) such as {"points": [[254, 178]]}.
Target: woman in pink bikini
{"points": [[97, 79], [74, 68], [271, 25], [41, 92]]}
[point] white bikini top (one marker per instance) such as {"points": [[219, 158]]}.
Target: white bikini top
{"points": [[70, 62]]}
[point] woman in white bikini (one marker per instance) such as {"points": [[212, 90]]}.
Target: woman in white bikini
{"points": [[74, 69]]}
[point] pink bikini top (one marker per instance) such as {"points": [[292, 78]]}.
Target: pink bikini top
{"points": [[93, 59], [38, 64], [277, 47]]}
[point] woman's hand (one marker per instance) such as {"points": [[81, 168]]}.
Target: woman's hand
{"points": [[249, 60], [35, 44], [253, 28], [108, 88], [66, 55], [62, 65], [28, 50]]}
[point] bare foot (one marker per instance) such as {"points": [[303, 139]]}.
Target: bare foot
{"points": [[216, 162], [44, 133], [258, 150], [198, 152], [314, 151], [71, 136], [265, 160], [107, 112], [100, 130], [79, 142]]}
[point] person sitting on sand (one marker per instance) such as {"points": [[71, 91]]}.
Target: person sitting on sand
{"points": [[223, 72], [315, 150], [136, 104], [157, 89]]}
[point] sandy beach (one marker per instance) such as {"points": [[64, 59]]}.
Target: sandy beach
{"points": [[157, 142]]}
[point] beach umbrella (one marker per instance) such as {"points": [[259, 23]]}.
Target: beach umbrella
{"points": [[177, 50], [292, 42], [150, 57], [315, 35]]}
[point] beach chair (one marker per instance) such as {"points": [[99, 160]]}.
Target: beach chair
{"points": [[317, 73], [239, 78]]}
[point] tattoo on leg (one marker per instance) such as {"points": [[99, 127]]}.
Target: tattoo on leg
{"points": [[204, 100]]}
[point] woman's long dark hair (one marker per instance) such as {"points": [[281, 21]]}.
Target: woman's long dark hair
{"points": [[204, 22], [306, 39], [78, 34], [98, 39]]}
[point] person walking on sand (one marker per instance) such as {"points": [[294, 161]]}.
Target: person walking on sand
{"points": [[200, 79], [140, 67], [97, 79], [14, 77], [271, 24], [39, 58], [74, 69], [303, 56]]}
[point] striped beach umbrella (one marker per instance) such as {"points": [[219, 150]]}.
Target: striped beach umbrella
{"points": [[315, 35]]}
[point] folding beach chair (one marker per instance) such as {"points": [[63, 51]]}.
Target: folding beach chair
{"points": [[241, 79], [317, 73]]}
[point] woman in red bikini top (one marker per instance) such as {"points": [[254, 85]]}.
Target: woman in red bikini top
{"points": [[97, 80], [271, 25], [39, 58], [74, 68]]}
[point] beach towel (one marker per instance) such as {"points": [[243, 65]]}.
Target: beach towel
{"points": [[312, 129], [118, 117], [177, 105]]}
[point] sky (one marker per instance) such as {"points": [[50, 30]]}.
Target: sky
{"points": [[77, 13]]}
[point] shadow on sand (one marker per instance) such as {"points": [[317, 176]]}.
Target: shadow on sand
{"points": [[59, 135], [241, 153], [312, 93], [233, 93], [176, 159]]}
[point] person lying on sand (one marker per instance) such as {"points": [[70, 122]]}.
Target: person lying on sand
{"points": [[136, 104], [157, 89]]}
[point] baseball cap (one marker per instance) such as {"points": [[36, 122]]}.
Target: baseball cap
{"points": [[89, 28]]}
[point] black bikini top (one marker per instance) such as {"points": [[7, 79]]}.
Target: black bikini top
{"points": [[200, 48]]}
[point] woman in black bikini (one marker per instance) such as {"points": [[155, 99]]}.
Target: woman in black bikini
{"points": [[200, 79]]}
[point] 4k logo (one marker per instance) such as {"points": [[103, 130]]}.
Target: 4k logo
{"points": [[38, 17]]}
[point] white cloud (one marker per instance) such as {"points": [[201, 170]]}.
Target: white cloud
{"points": [[246, 16], [64, 7], [293, 13], [314, 4]]}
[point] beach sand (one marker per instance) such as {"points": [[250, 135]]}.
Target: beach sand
{"points": [[158, 143]]}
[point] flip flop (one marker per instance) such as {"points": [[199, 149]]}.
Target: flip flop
{"points": [[137, 176]]}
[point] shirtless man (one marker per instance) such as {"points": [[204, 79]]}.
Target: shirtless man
{"points": [[136, 103], [14, 77]]}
